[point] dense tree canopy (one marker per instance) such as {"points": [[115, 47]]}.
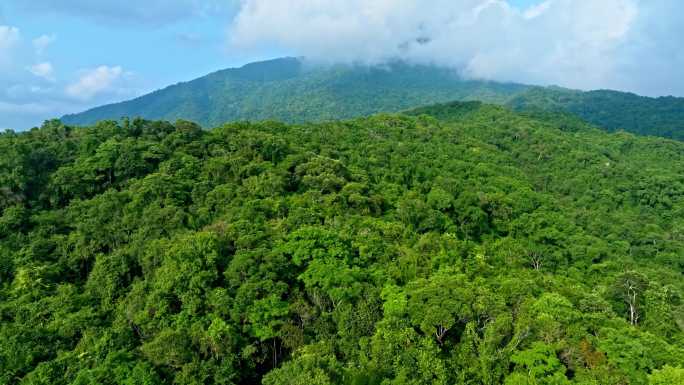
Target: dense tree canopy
{"points": [[457, 244], [611, 110]]}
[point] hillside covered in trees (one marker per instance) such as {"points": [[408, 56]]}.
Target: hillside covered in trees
{"points": [[291, 90], [610, 110], [456, 244]]}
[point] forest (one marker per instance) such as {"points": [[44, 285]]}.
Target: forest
{"points": [[461, 243], [295, 91], [611, 110]]}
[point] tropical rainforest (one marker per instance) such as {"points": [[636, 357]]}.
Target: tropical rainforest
{"points": [[610, 110], [296, 91], [461, 243]]}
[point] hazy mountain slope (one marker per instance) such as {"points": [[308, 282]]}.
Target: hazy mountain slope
{"points": [[290, 91], [285, 89], [611, 110]]}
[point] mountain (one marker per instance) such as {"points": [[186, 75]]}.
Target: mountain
{"points": [[461, 243], [611, 110], [289, 90]]}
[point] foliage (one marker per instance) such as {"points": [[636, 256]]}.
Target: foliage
{"points": [[294, 90], [473, 246], [612, 110]]}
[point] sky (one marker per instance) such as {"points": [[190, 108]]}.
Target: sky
{"points": [[66, 56]]}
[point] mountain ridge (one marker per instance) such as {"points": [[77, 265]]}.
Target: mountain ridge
{"points": [[294, 91], [239, 93]]}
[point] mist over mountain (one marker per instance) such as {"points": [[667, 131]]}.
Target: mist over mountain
{"points": [[609, 44]]}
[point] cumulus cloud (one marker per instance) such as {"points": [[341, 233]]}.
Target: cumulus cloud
{"points": [[41, 43], [651, 59], [583, 44], [27, 100], [94, 82], [43, 70], [31, 91]]}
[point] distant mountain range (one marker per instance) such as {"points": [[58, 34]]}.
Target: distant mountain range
{"points": [[289, 90], [611, 110]]}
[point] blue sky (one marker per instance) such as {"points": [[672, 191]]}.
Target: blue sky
{"points": [[65, 56], [523, 3]]}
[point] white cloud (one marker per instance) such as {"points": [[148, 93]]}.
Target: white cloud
{"points": [[41, 43], [9, 37], [94, 82], [633, 45], [43, 70], [575, 43], [536, 10]]}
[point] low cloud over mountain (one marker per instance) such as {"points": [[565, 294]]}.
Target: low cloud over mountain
{"points": [[583, 44]]}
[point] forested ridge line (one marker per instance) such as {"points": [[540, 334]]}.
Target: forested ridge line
{"points": [[611, 110], [296, 91], [454, 244]]}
